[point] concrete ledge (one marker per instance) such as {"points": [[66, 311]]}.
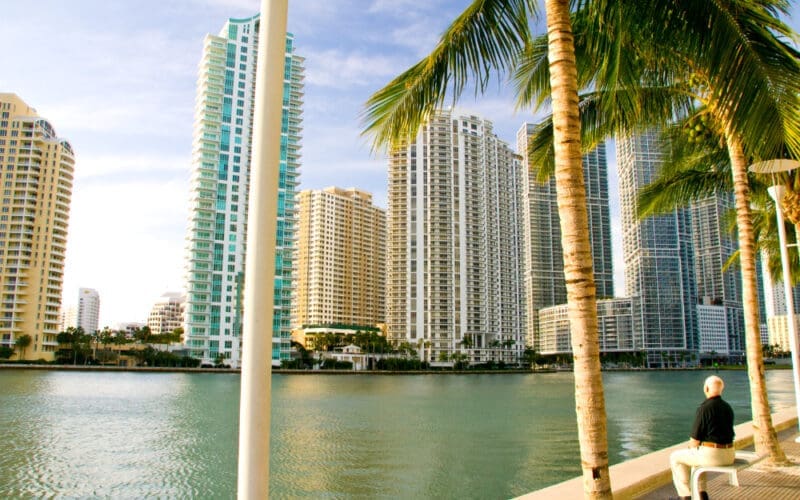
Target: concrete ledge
{"points": [[637, 477]]}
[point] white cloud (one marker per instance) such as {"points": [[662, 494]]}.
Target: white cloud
{"points": [[253, 5], [342, 70], [104, 165], [124, 241], [421, 37], [405, 7]]}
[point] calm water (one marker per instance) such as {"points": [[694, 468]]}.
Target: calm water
{"points": [[134, 435]]}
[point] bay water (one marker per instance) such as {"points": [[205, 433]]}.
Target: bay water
{"points": [[174, 435]]}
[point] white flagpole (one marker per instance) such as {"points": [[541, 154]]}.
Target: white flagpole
{"points": [[254, 406]]}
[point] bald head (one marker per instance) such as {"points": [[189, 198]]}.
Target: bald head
{"points": [[713, 386]]}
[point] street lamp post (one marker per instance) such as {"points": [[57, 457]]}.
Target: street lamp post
{"points": [[777, 192]]}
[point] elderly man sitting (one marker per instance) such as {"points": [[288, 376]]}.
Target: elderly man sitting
{"points": [[710, 442]]}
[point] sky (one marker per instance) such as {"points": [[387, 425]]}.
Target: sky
{"points": [[118, 81]]}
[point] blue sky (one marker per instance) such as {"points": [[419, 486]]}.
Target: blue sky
{"points": [[117, 79]]}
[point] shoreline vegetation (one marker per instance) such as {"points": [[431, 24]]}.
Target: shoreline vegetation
{"points": [[284, 371]]}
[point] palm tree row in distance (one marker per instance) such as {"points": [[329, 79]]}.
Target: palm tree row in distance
{"points": [[638, 65]]}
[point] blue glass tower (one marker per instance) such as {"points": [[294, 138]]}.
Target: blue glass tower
{"points": [[221, 147]]}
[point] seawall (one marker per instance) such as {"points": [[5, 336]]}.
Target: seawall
{"points": [[639, 476]]}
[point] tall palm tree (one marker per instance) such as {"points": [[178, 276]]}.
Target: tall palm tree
{"points": [[730, 68], [22, 342], [488, 36]]}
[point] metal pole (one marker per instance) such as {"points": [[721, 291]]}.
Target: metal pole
{"points": [[777, 192], [254, 406]]}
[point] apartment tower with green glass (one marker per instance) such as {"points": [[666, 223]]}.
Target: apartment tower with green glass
{"points": [[222, 143]]}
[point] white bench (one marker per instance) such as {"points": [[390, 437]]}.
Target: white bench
{"points": [[744, 459]]}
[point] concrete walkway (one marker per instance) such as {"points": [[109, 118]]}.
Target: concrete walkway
{"points": [[760, 481], [649, 477]]}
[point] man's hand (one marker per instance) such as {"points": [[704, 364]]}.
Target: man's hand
{"points": [[693, 443]]}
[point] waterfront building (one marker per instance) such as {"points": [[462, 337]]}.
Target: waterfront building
{"points": [[615, 327], [712, 328], [775, 306], [545, 285], [455, 243], [69, 317], [167, 313], [659, 258], [716, 286], [34, 216], [340, 277], [88, 309], [215, 253], [129, 328]]}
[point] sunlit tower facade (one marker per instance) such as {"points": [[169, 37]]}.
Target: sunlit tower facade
{"points": [[545, 285], [222, 143], [454, 243], [341, 259], [659, 259], [38, 171]]}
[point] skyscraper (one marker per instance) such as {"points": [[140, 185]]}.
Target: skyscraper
{"points": [[659, 258], [545, 285], [454, 243], [717, 288], [88, 309], [34, 215], [219, 194], [341, 259], [774, 313]]}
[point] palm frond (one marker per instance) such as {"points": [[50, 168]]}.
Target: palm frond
{"points": [[487, 37], [750, 65], [605, 114]]}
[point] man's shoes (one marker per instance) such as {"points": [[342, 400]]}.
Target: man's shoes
{"points": [[703, 495]]}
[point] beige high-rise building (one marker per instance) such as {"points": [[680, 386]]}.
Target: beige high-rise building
{"points": [[34, 214], [340, 276], [167, 313]]}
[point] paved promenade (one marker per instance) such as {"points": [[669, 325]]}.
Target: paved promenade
{"points": [[649, 477], [760, 481]]}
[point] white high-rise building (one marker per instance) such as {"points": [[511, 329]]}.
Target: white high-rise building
{"points": [[215, 253], [455, 277], [721, 331], [545, 285], [614, 327], [69, 317], [167, 313], [775, 308], [88, 309]]}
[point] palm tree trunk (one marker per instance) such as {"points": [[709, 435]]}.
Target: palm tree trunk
{"points": [[571, 193], [765, 437]]}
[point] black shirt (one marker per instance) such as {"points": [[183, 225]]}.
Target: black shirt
{"points": [[713, 422]]}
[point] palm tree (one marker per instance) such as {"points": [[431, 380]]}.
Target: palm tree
{"points": [[22, 342], [728, 68], [494, 344], [489, 36]]}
